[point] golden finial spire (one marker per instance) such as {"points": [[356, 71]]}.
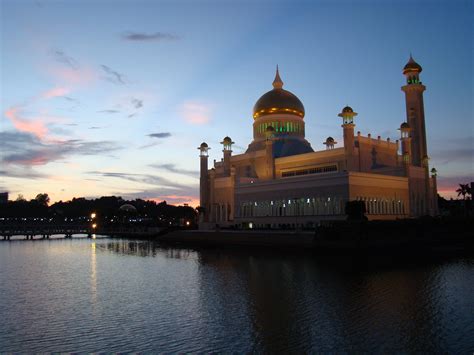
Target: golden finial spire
{"points": [[277, 83]]}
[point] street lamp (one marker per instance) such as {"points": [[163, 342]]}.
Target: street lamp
{"points": [[93, 226]]}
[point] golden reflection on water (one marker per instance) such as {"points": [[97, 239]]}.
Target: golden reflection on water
{"points": [[93, 277]]}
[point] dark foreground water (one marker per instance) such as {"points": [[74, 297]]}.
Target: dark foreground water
{"points": [[120, 295]]}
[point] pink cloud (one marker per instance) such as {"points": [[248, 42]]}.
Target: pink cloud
{"points": [[36, 127], [55, 92], [195, 112], [74, 77]]}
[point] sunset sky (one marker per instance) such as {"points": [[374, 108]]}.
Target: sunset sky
{"points": [[113, 97]]}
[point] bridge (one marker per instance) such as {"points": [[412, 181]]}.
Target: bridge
{"points": [[69, 230], [44, 231]]}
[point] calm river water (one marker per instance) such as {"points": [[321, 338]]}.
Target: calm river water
{"points": [[123, 295]]}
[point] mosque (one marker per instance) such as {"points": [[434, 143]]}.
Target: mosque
{"points": [[280, 181]]}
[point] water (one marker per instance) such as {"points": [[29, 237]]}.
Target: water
{"points": [[121, 295]]}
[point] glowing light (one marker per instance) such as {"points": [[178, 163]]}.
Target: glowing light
{"points": [[94, 226], [188, 223], [93, 215]]}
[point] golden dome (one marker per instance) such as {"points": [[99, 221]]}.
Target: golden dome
{"points": [[279, 101], [412, 66]]}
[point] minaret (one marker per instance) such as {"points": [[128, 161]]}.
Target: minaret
{"points": [[227, 143], [415, 112], [348, 125], [204, 179], [406, 146]]}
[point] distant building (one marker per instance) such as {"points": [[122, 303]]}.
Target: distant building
{"points": [[281, 181], [3, 197]]}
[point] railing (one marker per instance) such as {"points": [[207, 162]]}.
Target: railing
{"points": [[45, 231]]}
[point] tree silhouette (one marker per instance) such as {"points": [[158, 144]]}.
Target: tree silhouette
{"points": [[464, 189], [42, 199]]}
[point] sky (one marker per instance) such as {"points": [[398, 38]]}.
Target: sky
{"points": [[113, 97]]}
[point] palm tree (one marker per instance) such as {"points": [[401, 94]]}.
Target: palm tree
{"points": [[464, 189]]}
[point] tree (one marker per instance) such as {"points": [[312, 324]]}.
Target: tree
{"points": [[20, 198], [42, 199], [464, 189]]}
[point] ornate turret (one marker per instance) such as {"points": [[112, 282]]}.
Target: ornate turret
{"points": [[204, 149], [412, 70], [329, 143], [227, 143], [348, 125], [347, 115]]}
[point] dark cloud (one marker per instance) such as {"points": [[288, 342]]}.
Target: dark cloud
{"points": [[132, 115], [160, 135], [137, 103], [22, 173], [63, 58], [113, 76], [57, 129], [149, 145], [109, 111], [172, 168], [71, 99], [149, 37], [446, 156], [140, 178], [20, 148]]}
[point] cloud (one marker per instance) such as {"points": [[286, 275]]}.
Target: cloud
{"points": [[139, 178], [160, 135], [132, 115], [195, 112], [95, 127], [35, 127], [68, 98], [109, 111], [56, 92], [20, 148], [149, 37], [22, 173], [137, 103], [173, 169], [73, 77], [113, 76], [63, 58], [149, 145], [451, 155]]}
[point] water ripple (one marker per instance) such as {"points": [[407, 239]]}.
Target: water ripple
{"points": [[132, 296]]}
